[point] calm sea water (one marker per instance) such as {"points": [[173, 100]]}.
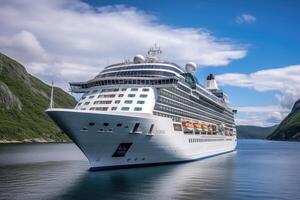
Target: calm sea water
{"points": [[257, 170]]}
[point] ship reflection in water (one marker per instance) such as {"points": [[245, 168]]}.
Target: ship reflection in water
{"points": [[190, 180], [258, 170]]}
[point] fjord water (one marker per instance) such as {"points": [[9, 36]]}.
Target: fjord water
{"points": [[257, 170]]}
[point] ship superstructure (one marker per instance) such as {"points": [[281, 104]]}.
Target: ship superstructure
{"points": [[148, 112]]}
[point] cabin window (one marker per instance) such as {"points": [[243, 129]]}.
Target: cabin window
{"points": [[119, 125], [102, 102], [131, 95], [106, 96], [90, 97], [145, 89], [123, 89], [125, 108], [113, 108], [128, 102], [110, 90], [102, 108], [92, 123], [177, 127], [140, 102], [134, 89], [143, 95], [94, 91], [117, 101], [120, 95], [137, 108], [87, 103], [105, 124]]}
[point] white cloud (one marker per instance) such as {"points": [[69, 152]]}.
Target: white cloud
{"points": [[245, 18], [284, 81], [260, 115], [68, 40]]}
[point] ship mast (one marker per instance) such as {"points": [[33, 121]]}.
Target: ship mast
{"points": [[153, 53], [51, 97]]}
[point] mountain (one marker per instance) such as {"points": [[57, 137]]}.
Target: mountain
{"points": [[23, 100], [254, 132], [289, 128]]}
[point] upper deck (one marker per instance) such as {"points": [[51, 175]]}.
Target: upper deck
{"points": [[149, 72]]}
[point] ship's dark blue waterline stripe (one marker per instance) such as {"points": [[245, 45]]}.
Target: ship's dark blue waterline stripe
{"points": [[153, 164]]}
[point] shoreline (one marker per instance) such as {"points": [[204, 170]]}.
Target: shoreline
{"points": [[32, 141]]}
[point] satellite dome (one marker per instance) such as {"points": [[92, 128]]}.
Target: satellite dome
{"points": [[138, 59], [190, 67]]}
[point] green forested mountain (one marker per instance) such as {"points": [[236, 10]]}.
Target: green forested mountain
{"points": [[289, 128], [23, 100], [254, 132]]}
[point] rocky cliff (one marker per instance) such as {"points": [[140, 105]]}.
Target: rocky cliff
{"points": [[23, 100]]}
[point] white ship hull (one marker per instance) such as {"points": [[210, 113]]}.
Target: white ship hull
{"points": [[100, 141]]}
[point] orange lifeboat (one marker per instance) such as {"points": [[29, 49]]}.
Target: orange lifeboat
{"points": [[187, 124], [197, 126], [204, 126]]}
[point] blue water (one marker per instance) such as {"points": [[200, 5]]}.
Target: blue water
{"points": [[257, 170]]}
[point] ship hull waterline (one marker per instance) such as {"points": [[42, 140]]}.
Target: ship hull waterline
{"points": [[107, 140]]}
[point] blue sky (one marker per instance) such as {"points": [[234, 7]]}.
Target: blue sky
{"points": [[252, 46], [272, 38]]}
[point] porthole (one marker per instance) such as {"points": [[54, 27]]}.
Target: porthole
{"points": [[118, 125], [92, 124], [105, 124]]}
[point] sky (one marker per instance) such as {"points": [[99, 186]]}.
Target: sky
{"points": [[253, 47]]}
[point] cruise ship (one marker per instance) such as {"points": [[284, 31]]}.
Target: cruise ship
{"points": [[148, 112]]}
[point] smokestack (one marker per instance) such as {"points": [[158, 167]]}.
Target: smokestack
{"points": [[211, 83]]}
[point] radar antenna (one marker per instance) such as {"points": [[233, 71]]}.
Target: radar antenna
{"points": [[154, 51]]}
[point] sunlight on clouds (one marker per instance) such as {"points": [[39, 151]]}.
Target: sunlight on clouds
{"points": [[285, 81], [58, 34], [260, 115]]}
